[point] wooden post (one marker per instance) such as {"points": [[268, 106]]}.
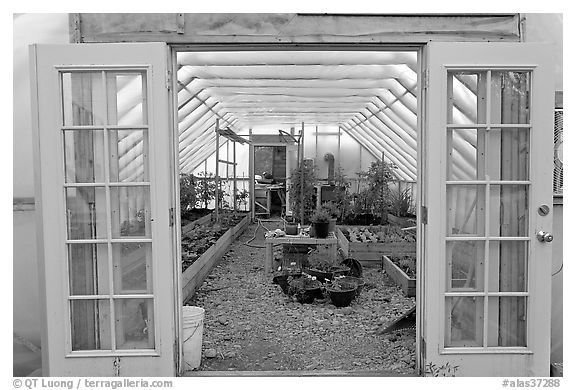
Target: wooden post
{"points": [[339, 131], [302, 178], [217, 178], [251, 173], [234, 185]]}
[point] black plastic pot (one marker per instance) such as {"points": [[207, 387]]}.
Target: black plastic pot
{"points": [[322, 276], [307, 294], [322, 229], [358, 281], [342, 298], [292, 230], [281, 279]]}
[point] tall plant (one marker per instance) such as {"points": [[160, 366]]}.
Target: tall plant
{"points": [[205, 188], [377, 194], [308, 190], [187, 192]]}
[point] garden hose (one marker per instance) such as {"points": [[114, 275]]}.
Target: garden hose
{"points": [[247, 243]]}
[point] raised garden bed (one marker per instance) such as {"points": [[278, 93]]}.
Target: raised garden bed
{"points": [[203, 246], [402, 270], [367, 244], [187, 228]]}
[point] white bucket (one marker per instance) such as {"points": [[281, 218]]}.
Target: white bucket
{"points": [[192, 327]]}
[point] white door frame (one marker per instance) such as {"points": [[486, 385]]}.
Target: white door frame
{"points": [[532, 360], [47, 64]]}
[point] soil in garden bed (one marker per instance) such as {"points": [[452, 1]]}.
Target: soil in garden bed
{"points": [[406, 263], [188, 216], [378, 234], [201, 237], [250, 325]]}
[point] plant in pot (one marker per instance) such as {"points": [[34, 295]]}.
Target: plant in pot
{"points": [[321, 265], [341, 292], [302, 197], [290, 227], [355, 280], [305, 288], [321, 220], [281, 278]]}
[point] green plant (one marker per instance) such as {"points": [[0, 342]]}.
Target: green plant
{"points": [[242, 198], [401, 202], [443, 370], [308, 190], [187, 192], [321, 260], [341, 285], [342, 198], [205, 188], [375, 198], [321, 216]]}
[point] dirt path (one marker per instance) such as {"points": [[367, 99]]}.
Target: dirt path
{"points": [[250, 325]]}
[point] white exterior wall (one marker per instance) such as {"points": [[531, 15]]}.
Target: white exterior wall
{"points": [[28, 29]]}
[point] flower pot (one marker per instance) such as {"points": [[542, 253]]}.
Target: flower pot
{"points": [[281, 279], [321, 276], [343, 297], [308, 293], [292, 230], [359, 282], [322, 229]]}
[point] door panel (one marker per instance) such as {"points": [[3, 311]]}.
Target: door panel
{"points": [[488, 147], [103, 183]]}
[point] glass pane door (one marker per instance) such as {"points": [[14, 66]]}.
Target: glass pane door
{"points": [[104, 129], [487, 203]]}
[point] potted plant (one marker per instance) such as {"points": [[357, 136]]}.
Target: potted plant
{"points": [[281, 278], [322, 266], [305, 288], [303, 197], [290, 227], [353, 279], [321, 220], [341, 292]]}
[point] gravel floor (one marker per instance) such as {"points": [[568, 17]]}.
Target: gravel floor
{"points": [[250, 325]]}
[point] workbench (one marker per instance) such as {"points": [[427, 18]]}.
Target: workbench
{"points": [[331, 242]]}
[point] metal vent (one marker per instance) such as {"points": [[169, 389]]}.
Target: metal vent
{"points": [[558, 151]]}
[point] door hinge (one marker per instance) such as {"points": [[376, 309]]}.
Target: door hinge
{"points": [[425, 79], [424, 214], [171, 216], [169, 80]]}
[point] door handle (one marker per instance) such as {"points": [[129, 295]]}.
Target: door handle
{"points": [[543, 236]]}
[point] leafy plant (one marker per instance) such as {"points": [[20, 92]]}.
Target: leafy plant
{"points": [[321, 260], [446, 370], [308, 190], [401, 202], [242, 198], [320, 216], [205, 188], [376, 198], [187, 192], [340, 285], [340, 206]]}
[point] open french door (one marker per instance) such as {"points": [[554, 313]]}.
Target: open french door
{"points": [[104, 187], [486, 154]]}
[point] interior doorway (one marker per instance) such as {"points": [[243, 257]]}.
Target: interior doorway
{"points": [[354, 114]]}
